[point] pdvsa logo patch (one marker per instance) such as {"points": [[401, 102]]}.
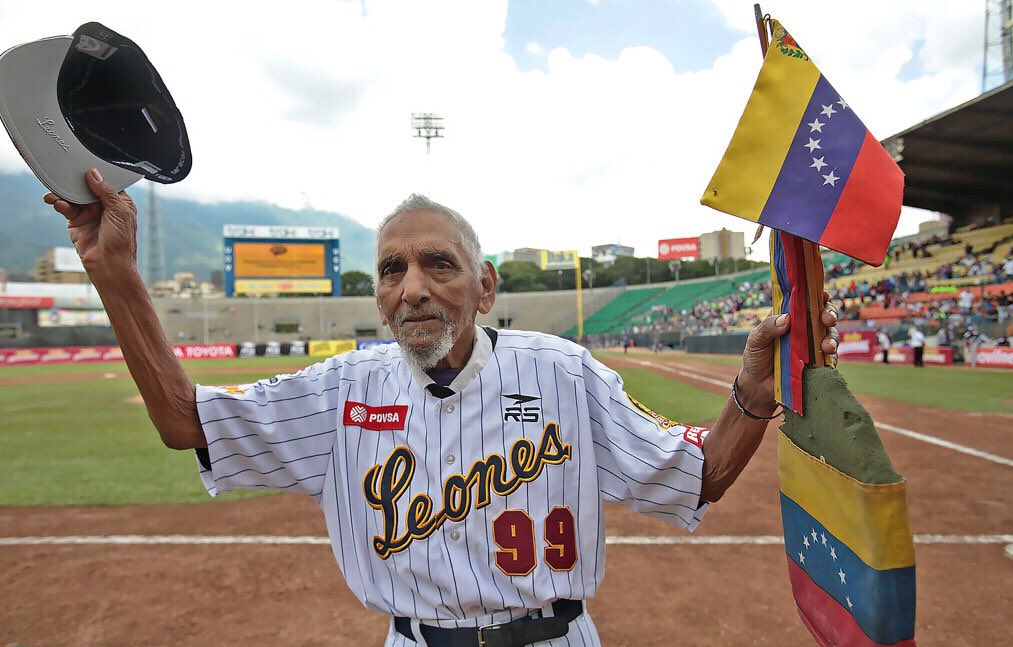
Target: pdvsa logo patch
{"points": [[388, 418]]}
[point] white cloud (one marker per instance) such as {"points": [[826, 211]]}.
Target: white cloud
{"points": [[534, 48], [313, 104]]}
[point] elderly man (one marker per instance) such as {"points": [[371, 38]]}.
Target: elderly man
{"points": [[462, 472]]}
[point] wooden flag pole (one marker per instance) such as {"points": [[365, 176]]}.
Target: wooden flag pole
{"points": [[812, 261]]}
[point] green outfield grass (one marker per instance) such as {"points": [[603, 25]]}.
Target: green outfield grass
{"points": [[671, 398], [981, 391], [85, 442]]}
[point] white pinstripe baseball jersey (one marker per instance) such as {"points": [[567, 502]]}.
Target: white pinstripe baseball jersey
{"points": [[472, 508]]}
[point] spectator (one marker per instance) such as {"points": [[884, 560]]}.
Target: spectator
{"points": [[972, 339], [966, 301], [945, 337]]}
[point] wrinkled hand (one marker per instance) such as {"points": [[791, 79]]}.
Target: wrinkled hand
{"points": [[756, 378], [104, 233]]}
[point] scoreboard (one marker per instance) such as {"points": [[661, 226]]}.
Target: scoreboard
{"points": [[264, 259]]}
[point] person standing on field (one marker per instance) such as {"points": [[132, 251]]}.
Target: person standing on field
{"points": [[461, 472], [918, 344], [884, 344]]}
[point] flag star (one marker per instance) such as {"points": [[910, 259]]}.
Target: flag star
{"points": [[830, 179], [828, 110], [844, 105], [841, 573], [849, 601], [816, 125], [801, 557], [833, 553], [813, 533], [805, 540], [818, 164], [824, 538], [813, 144]]}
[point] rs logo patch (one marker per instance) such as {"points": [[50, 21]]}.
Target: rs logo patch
{"points": [[387, 418]]}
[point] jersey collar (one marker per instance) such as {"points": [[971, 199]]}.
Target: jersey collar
{"points": [[481, 351]]}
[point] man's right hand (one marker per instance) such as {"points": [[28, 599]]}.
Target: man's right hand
{"points": [[104, 233]]}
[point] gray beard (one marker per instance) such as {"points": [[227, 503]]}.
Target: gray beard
{"points": [[425, 359]]}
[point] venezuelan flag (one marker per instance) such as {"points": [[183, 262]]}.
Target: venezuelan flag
{"points": [[849, 550], [791, 350], [801, 161]]}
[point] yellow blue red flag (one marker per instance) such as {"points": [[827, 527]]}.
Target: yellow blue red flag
{"points": [[847, 538], [802, 162]]}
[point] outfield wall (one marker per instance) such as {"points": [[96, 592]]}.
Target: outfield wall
{"points": [[212, 321]]}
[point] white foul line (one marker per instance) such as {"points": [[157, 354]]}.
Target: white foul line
{"points": [[963, 449], [616, 540], [945, 443]]}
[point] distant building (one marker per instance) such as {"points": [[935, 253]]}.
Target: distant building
{"points": [[607, 254], [723, 244], [184, 284], [529, 254], [59, 265]]}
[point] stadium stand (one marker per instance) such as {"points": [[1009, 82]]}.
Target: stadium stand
{"points": [[616, 312], [634, 307]]}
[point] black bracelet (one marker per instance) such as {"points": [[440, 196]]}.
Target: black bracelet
{"points": [[735, 398]]}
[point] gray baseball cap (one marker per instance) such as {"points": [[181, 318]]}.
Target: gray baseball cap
{"points": [[91, 100]]}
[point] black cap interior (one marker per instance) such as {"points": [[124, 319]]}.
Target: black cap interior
{"points": [[119, 108]]}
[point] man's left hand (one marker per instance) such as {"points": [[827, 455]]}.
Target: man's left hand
{"points": [[756, 378]]}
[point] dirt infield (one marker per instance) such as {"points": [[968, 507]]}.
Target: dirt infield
{"points": [[651, 595]]}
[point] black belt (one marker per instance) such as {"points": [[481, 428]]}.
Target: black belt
{"points": [[516, 633]]}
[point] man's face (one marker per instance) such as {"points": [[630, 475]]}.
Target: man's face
{"points": [[427, 287]]}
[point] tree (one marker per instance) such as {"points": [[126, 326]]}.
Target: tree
{"points": [[356, 283], [521, 276]]}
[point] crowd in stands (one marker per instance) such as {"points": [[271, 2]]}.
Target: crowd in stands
{"points": [[708, 315], [961, 297]]}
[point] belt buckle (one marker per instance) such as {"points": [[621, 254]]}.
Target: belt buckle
{"points": [[481, 633]]}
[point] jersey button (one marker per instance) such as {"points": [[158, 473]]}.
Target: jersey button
{"points": [[455, 535], [450, 408], [450, 459]]}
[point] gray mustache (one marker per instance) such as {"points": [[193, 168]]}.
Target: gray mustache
{"points": [[403, 316]]}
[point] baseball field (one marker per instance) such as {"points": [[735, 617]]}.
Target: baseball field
{"points": [[107, 538]]}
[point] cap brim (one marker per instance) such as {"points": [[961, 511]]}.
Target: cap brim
{"points": [[31, 114]]}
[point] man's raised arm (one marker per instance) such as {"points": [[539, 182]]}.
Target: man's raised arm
{"points": [[105, 236], [734, 437]]}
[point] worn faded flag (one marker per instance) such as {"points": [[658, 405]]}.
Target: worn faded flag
{"points": [[801, 161], [847, 538]]}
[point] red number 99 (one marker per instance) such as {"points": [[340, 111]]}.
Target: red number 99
{"points": [[514, 532]]}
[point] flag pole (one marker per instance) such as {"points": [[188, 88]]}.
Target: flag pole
{"points": [[811, 261], [580, 302]]}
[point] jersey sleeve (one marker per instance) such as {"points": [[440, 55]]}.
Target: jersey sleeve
{"points": [[645, 461], [275, 434]]}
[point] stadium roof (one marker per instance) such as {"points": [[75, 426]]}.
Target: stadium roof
{"points": [[960, 161]]}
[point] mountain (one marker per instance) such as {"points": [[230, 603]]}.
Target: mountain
{"points": [[191, 231]]}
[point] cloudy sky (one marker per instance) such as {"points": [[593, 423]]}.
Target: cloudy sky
{"points": [[568, 122]]}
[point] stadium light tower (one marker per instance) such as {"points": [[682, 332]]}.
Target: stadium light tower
{"points": [[428, 126], [156, 256], [997, 66]]}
